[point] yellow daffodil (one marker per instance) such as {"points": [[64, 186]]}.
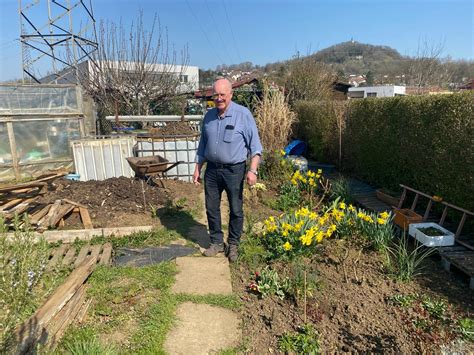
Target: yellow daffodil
{"points": [[351, 208], [384, 215], [320, 171], [282, 152], [287, 246], [312, 216], [342, 205], [381, 221], [319, 236]]}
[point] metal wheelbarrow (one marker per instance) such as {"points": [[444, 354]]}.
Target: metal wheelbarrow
{"points": [[152, 166]]}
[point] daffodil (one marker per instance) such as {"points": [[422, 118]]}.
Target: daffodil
{"points": [[384, 215], [381, 221], [287, 246], [351, 208], [282, 152], [342, 205]]}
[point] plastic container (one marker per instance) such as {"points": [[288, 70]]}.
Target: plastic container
{"points": [[173, 149], [445, 239], [73, 177], [102, 157]]}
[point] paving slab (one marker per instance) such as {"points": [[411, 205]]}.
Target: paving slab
{"points": [[202, 276], [203, 329]]}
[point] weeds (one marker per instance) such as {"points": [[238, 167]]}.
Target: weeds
{"points": [[436, 308], [466, 328], [269, 283], [404, 301], [252, 252], [84, 341], [305, 341], [22, 264], [289, 197], [405, 264]]}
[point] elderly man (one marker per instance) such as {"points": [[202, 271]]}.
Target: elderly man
{"points": [[229, 137]]}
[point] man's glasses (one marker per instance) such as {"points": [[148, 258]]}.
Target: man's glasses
{"points": [[216, 96]]}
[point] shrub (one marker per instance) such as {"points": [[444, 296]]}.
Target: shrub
{"points": [[305, 341], [22, 262]]}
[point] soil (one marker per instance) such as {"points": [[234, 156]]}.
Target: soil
{"points": [[120, 202], [351, 308], [175, 128]]}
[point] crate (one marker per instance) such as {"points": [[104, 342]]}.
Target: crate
{"points": [[446, 238], [404, 217]]}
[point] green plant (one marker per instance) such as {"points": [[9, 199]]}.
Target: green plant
{"points": [[435, 308], [404, 301], [302, 278], [304, 341], [154, 211], [83, 341], [406, 263], [296, 233], [22, 264], [466, 328], [289, 197], [340, 188], [268, 283], [251, 251]]}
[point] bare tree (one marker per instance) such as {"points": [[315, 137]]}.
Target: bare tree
{"points": [[307, 79], [427, 67], [133, 71]]}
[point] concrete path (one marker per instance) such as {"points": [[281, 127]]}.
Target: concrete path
{"points": [[202, 328]]}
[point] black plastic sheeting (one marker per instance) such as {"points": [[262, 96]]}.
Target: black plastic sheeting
{"points": [[148, 256]]}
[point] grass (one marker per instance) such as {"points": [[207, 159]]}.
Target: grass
{"points": [[136, 304]]}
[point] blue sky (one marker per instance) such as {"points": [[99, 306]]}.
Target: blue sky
{"points": [[263, 31]]}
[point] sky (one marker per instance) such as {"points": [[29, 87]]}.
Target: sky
{"points": [[266, 31]]}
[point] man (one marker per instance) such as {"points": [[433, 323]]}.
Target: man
{"points": [[229, 137]]}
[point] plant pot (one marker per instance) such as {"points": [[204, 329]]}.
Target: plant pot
{"points": [[404, 217], [385, 196], [444, 239]]}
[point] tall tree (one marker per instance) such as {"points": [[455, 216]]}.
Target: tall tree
{"points": [[134, 70]]}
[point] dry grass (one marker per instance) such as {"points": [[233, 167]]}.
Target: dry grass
{"points": [[274, 119]]}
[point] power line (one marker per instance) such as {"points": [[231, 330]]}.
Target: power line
{"points": [[205, 34], [218, 32], [232, 32]]}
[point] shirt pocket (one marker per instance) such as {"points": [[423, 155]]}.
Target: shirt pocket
{"points": [[228, 133]]}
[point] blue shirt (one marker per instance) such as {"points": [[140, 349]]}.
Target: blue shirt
{"points": [[229, 139]]}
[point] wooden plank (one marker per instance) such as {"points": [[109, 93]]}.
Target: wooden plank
{"points": [[35, 218], [74, 203], [69, 257], [21, 207], [60, 213], [46, 219], [85, 217], [82, 255], [34, 183], [10, 204], [106, 254], [57, 256], [56, 327], [83, 311], [96, 249], [28, 333]]}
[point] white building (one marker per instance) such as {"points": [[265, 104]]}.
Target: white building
{"points": [[188, 75], [376, 91]]}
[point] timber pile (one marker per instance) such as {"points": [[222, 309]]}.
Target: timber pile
{"points": [[22, 198], [67, 304]]}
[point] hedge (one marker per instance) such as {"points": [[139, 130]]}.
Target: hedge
{"points": [[425, 142]]}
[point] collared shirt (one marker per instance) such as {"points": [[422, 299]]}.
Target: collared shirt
{"points": [[229, 139]]}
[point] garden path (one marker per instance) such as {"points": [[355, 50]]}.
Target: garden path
{"points": [[203, 328]]}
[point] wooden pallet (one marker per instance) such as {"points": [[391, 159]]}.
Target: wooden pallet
{"points": [[66, 255], [462, 258]]}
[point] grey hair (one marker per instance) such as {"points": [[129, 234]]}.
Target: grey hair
{"points": [[222, 78]]}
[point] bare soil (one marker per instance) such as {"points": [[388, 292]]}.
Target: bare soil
{"points": [[351, 309]]}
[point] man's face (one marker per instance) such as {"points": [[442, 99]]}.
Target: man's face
{"points": [[222, 95]]}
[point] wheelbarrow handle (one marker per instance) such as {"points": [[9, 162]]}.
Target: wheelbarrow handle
{"points": [[172, 166]]}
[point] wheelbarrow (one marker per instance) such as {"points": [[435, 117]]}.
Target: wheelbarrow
{"points": [[149, 167]]}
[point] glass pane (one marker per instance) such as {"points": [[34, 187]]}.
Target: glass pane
{"points": [[34, 99], [37, 141], [5, 151]]}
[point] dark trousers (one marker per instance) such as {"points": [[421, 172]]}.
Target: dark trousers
{"points": [[220, 177]]}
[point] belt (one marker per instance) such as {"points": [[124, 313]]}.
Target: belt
{"points": [[221, 166]]}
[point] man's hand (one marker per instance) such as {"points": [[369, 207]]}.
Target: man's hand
{"points": [[197, 176], [251, 178]]}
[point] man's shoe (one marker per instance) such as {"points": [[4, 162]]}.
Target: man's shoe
{"points": [[233, 254], [213, 250]]}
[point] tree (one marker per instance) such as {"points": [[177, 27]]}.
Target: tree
{"points": [[135, 71], [427, 68], [307, 79]]}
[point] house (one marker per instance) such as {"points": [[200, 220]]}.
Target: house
{"points": [[376, 91], [188, 75]]}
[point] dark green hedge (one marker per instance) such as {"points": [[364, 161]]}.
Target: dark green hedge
{"points": [[425, 142]]}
